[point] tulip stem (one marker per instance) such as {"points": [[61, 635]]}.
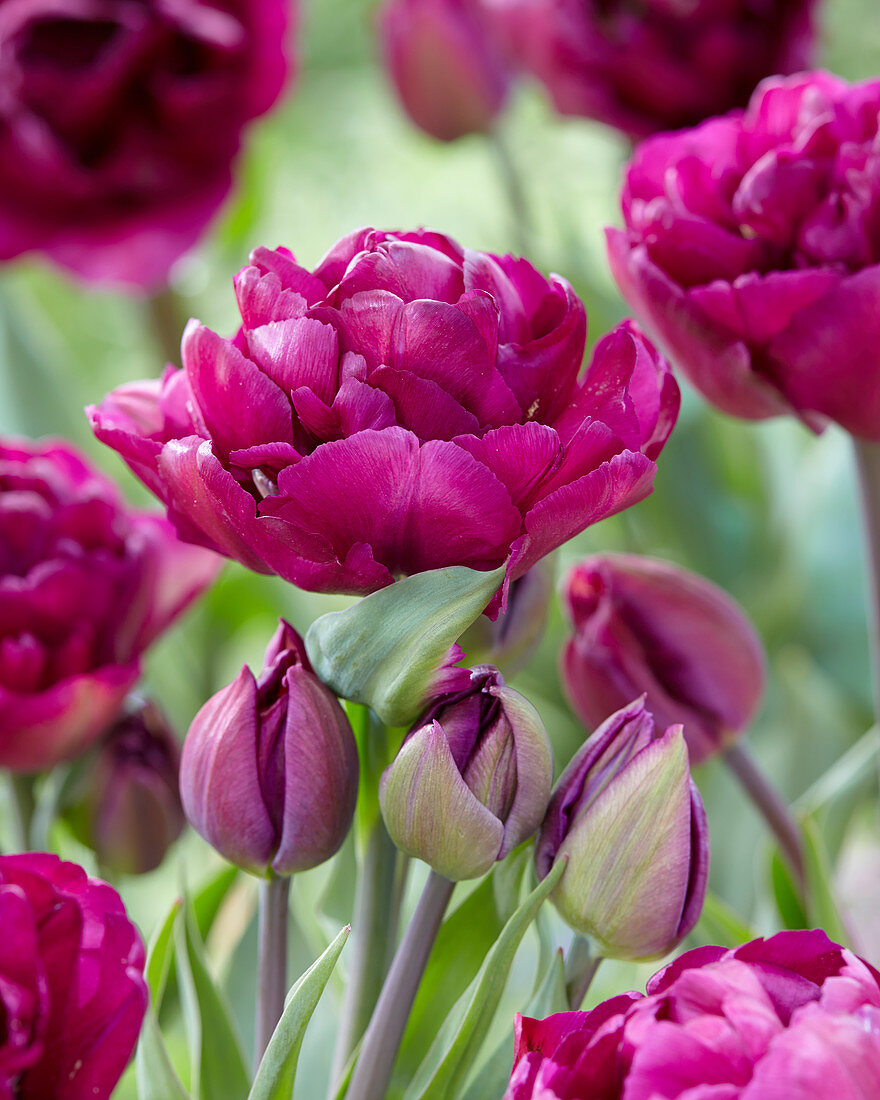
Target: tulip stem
{"points": [[516, 196], [580, 969], [772, 807], [166, 320], [271, 961], [868, 466], [24, 804], [374, 932], [382, 1038]]}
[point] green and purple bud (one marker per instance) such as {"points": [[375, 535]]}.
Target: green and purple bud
{"points": [[472, 779], [126, 803], [269, 774], [629, 818]]}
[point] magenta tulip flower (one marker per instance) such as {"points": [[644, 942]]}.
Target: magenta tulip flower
{"points": [[269, 771], [630, 821], [409, 405], [86, 583], [750, 251], [658, 64], [793, 1017], [646, 626], [448, 71], [121, 122], [72, 989]]}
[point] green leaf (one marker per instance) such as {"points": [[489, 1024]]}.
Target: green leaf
{"points": [[550, 996], [161, 954], [277, 1072], [821, 906], [459, 1040], [786, 893], [384, 650], [218, 1067], [156, 1078], [206, 901], [719, 924]]}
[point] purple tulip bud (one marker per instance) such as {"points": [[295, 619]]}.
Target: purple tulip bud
{"points": [[269, 773], [643, 625], [510, 641], [448, 71], [631, 821], [471, 780], [127, 806]]}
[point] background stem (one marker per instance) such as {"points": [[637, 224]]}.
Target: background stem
{"points": [[167, 321], [23, 804], [374, 928], [771, 805], [272, 960], [516, 197], [382, 1039], [580, 969], [868, 465]]}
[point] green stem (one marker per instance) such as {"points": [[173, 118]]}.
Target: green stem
{"points": [[511, 181], [580, 969], [772, 807], [373, 932], [867, 457], [166, 317], [271, 961], [382, 1039], [24, 804]]}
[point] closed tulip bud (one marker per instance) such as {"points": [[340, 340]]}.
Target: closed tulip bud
{"points": [[471, 780], [269, 773], [127, 804], [511, 640], [448, 70], [643, 625], [629, 818]]}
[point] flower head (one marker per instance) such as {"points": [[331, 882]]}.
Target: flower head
{"points": [[121, 122], [409, 405], [86, 583], [72, 989], [751, 249], [793, 1017]]}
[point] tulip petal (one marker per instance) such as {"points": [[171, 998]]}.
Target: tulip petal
{"points": [[295, 353]]}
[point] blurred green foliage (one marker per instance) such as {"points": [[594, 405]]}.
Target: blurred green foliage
{"points": [[766, 510]]}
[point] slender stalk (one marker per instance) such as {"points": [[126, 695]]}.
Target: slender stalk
{"points": [[373, 935], [271, 960], [516, 197], [868, 466], [771, 805], [382, 1039], [580, 969], [23, 804], [166, 320]]}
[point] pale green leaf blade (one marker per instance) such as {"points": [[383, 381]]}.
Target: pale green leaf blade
{"points": [[156, 1078]]}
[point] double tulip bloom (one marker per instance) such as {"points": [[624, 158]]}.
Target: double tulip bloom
{"points": [[120, 122], [630, 821], [793, 1017], [408, 405], [658, 64], [751, 250], [72, 988], [269, 772], [640, 625], [446, 66], [86, 583], [472, 779]]}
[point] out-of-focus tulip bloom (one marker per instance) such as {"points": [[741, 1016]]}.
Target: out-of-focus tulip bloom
{"points": [[72, 989], [752, 252], [471, 780], [127, 804], [510, 641], [409, 405], [643, 625], [631, 821], [86, 583], [120, 123], [446, 67], [657, 64], [269, 772], [793, 1017]]}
